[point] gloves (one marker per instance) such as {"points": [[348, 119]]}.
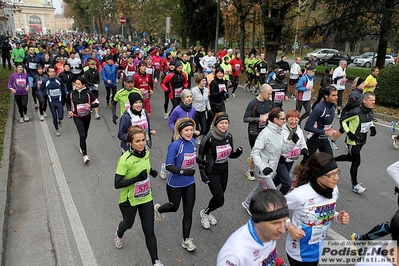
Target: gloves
{"points": [[114, 119], [200, 161], [187, 172], [204, 178], [238, 152], [295, 138], [373, 132], [142, 176], [267, 171], [153, 173], [351, 136], [304, 151]]}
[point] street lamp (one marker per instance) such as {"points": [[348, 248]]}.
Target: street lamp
{"points": [[297, 24], [217, 26]]}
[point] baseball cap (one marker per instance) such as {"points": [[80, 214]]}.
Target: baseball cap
{"points": [[129, 79]]}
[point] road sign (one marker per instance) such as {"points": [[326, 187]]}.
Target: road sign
{"points": [[122, 20], [106, 29]]}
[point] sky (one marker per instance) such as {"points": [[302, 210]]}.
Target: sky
{"points": [[57, 4]]}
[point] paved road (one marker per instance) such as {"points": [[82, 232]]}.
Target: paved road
{"points": [[64, 212]]}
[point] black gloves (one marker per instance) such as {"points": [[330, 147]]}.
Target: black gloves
{"points": [[204, 178], [114, 118], [200, 161], [351, 136], [295, 137], [142, 176], [304, 151], [238, 151], [373, 132], [153, 173], [187, 172], [267, 171]]}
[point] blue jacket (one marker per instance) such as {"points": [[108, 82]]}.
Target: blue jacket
{"points": [[319, 120], [110, 72], [178, 113], [54, 88]]}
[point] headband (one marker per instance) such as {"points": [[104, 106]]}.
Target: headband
{"points": [[185, 124], [327, 168], [220, 118], [270, 216]]}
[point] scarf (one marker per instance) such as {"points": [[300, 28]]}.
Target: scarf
{"points": [[217, 134], [132, 112], [186, 108], [291, 130], [325, 192]]}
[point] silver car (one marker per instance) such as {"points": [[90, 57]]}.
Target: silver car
{"points": [[367, 61], [320, 53]]}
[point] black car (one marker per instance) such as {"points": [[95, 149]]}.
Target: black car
{"points": [[334, 59]]}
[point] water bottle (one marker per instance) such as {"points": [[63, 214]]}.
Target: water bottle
{"points": [[393, 126]]}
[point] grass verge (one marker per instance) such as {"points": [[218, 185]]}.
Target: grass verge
{"points": [[4, 105]]}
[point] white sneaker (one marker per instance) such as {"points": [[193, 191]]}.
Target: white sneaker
{"points": [[159, 217], [246, 207], [338, 116], [165, 116], [212, 219], [163, 173], [21, 120], [41, 118], [117, 241], [45, 114], [250, 175], [332, 144], [26, 118], [188, 244], [57, 133], [86, 159], [358, 189], [158, 263], [233, 95], [395, 141], [97, 116], [204, 220]]}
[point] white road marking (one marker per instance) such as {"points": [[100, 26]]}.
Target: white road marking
{"points": [[335, 236], [82, 242]]}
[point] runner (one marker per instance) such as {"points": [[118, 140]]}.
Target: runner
{"points": [[131, 176], [39, 78], [30, 64], [218, 93], [279, 86], [174, 83], [79, 104], [180, 162], [92, 78], [304, 95], [122, 97], [339, 80], [110, 76], [18, 84], [216, 148], [237, 68], [201, 104], [142, 82]]}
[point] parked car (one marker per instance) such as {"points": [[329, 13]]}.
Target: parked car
{"points": [[321, 53], [364, 55], [334, 59], [367, 61]]}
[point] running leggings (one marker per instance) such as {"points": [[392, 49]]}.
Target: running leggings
{"points": [[200, 122], [166, 102], [234, 82], [82, 125], [283, 176], [300, 263], [314, 146], [175, 103], [43, 105], [57, 112], [109, 90], [22, 103], [187, 194], [146, 213], [354, 157], [378, 231], [217, 186], [306, 105]]}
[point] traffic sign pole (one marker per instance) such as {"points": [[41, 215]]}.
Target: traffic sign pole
{"points": [[122, 20]]}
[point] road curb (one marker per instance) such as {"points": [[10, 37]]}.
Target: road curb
{"points": [[5, 177]]}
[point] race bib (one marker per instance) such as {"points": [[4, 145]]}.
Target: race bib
{"points": [[263, 70], [32, 65], [127, 106], [144, 94], [142, 123], [263, 124], [319, 232], [279, 96], [82, 110], [227, 72], [365, 127], [293, 154], [237, 67], [39, 83], [222, 87], [178, 91], [222, 153], [21, 83], [189, 161], [55, 93], [149, 70], [130, 73], [342, 81], [141, 189], [157, 65], [326, 128]]}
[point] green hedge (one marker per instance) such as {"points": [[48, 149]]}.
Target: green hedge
{"points": [[387, 91]]}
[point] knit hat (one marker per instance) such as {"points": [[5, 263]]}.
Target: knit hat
{"points": [[134, 97], [177, 64], [359, 81]]}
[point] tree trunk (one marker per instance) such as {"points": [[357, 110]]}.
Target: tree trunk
{"points": [[386, 24], [183, 40], [241, 41]]}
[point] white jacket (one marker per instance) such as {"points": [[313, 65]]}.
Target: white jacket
{"points": [[290, 156], [200, 100]]}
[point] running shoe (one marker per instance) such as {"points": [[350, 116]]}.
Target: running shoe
{"points": [[59, 123], [355, 238], [165, 116], [396, 189], [86, 159], [45, 114], [41, 118], [233, 95], [118, 241], [332, 144], [375, 119], [395, 141], [204, 220], [358, 189], [108, 106], [246, 207], [293, 97], [21, 120], [26, 118], [163, 174], [97, 116], [57, 133], [158, 263], [212, 219], [158, 216], [188, 244], [250, 175], [246, 87]]}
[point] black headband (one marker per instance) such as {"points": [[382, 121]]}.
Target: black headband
{"points": [[270, 216], [220, 118], [330, 166], [185, 124]]}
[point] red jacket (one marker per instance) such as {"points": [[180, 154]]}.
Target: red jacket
{"points": [[157, 62], [236, 66], [142, 82], [175, 89], [165, 64]]}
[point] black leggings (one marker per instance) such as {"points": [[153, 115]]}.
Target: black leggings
{"points": [[187, 194], [57, 112], [283, 176], [146, 213], [300, 263], [217, 185], [109, 89], [82, 125], [200, 121], [166, 102], [22, 103], [314, 146], [234, 82], [43, 105], [354, 157], [8, 59], [34, 94], [175, 103], [306, 105], [251, 77]]}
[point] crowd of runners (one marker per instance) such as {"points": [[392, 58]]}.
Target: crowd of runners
{"points": [[63, 73]]}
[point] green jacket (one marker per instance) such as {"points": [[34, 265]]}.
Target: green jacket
{"points": [[358, 121], [186, 68], [18, 55], [227, 70]]}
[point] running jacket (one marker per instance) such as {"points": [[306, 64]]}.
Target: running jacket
{"points": [[54, 88], [178, 113], [312, 213], [129, 119], [358, 121], [76, 100], [217, 93], [254, 111], [181, 154], [31, 64], [303, 93], [19, 82], [236, 66], [174, 83], [109, 72], [319, 121]]}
